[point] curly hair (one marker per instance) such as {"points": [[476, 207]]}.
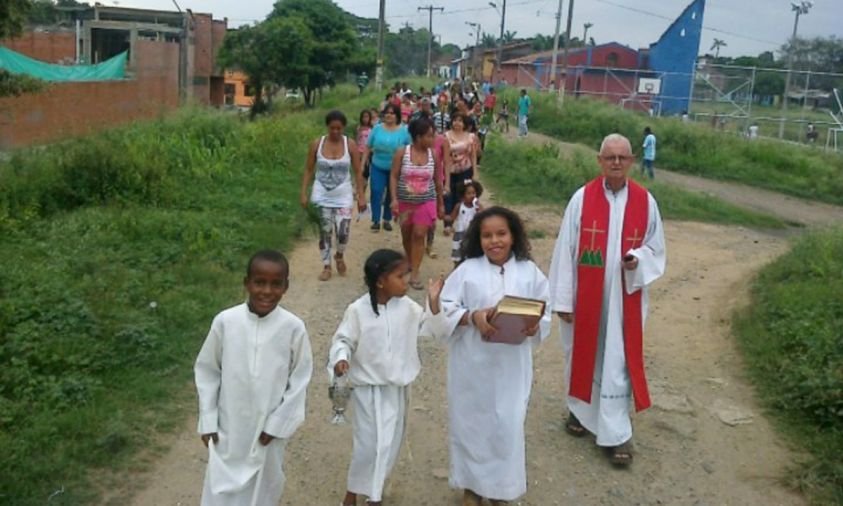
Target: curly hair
{"points": [[471, 246]]}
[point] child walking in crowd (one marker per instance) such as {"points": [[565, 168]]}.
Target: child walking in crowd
{"points": [[489, 383], [469, 193], [503, 115], [246, 424], [364, 128], [377, 346]]}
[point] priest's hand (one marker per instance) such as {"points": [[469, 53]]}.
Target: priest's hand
{"points": [[566, 317], [265, 438], [630, 262], [207, 437], [481, 319], [341, 367]]}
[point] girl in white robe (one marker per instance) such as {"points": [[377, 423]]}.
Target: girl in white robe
{"points": [[489, 383], [376, 345]]}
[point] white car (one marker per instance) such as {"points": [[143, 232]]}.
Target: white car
{"points": [[293, 94]]}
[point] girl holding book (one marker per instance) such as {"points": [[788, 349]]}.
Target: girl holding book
{"points": [[489, 382]]}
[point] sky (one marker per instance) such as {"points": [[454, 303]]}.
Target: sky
{"points": [[748, 27]]}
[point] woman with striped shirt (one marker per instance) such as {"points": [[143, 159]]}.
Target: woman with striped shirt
{"points": [[417, 192]]}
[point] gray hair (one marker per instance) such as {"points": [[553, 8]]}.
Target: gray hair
{"points": [[615, 138]]}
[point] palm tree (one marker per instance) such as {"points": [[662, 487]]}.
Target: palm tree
{"points": [[718, 43], [488, 40], [508, 36]]}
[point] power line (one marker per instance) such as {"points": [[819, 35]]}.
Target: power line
{"points": [[671, 19], [430, 9]]}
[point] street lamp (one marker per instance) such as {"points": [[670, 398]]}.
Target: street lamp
{"points": [[799, 8], [502, 12], [586, 26]]}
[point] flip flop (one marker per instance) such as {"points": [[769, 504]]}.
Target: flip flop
{"points": [[574, 427], [417, 285], [621, 455]]}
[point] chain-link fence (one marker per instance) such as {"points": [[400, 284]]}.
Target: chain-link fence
{"points": [[741, 100]]}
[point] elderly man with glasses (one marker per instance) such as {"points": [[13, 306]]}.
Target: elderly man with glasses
{"points": [[609, 250]]}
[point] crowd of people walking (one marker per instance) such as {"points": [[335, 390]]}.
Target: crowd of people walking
{"points": [[420, 164]]}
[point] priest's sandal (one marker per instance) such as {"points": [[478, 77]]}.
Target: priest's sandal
{"points": [[341, 267], [574, 427], [325, 275], [621, 455]]}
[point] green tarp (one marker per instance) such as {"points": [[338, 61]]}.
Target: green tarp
{"points": [[109, 70]]}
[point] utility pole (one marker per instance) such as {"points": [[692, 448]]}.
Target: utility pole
{"points": [[476, 50], [565, 52], [381, 35], [430, 10], [556, 46], [801, 8], [500, 42]]}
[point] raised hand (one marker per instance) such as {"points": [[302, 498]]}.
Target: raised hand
{"points": [[434, 290]]}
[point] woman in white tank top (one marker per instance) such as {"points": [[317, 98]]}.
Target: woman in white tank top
{"points": [[329, 165]]}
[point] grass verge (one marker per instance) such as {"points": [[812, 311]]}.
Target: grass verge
{"points": [[791, 338], [117, 251], [696, 149], [524, 173]]}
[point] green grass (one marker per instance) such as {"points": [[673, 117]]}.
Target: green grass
{"points": [[791, 337], [118, 250], [697, 149], [524, 173]]}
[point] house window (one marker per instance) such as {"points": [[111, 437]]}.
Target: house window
{"points": [[682, 33], [612, 60], [249, 90]]}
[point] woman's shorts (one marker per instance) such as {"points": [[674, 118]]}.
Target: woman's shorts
{"points": [[423, 214]]}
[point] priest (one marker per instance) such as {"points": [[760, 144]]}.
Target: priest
{"points": [[609, 250]]}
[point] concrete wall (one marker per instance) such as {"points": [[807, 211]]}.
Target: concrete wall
{"points": [[676, 52], [66, 110], [50, 47]]}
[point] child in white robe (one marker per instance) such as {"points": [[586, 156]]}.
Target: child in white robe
{"points": [[489, 383], [376, 345], [251, 376]]}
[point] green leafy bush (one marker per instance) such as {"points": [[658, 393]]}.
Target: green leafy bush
{"points": [[792, 337]]}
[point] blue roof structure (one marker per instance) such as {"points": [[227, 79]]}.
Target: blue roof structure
{"points": [[675, 54]]}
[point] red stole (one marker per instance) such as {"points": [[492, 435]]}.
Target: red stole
{"points": [[589, 302]]}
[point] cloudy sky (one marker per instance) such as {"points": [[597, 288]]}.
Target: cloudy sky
{"points": [[747, 26]]}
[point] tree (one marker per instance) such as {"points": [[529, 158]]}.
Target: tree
{"points": [[13, 15], [718, 43], [333, 41], [509, 36], [406, 51], [543, 42], [276, 51], [488, 40]]}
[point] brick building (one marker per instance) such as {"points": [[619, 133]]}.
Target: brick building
{"points": [[171, 61]]}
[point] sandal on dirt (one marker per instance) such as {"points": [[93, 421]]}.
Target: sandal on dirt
{"points": [[621, 455], [574, 427], [325, 275], [341, 267], [431, 253]]}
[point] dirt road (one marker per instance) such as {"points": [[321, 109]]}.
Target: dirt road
{"points": [[706, 441]]}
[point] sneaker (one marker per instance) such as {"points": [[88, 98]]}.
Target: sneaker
{"points": [[387, 226], [375, 227]]}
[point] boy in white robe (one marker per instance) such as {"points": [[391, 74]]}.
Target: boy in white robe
{"points": [[251, 376], [377, 346], [489, 383]]}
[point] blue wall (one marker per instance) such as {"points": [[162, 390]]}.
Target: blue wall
{"points": [[676, 51]]}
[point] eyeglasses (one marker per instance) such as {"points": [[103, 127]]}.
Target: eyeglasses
{"points": [[617, 158]]}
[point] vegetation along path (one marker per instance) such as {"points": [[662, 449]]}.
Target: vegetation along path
{"points": [[789, 209], [704, 442]]}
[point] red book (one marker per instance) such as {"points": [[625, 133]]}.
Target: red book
{"points": [[513, 315]]}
